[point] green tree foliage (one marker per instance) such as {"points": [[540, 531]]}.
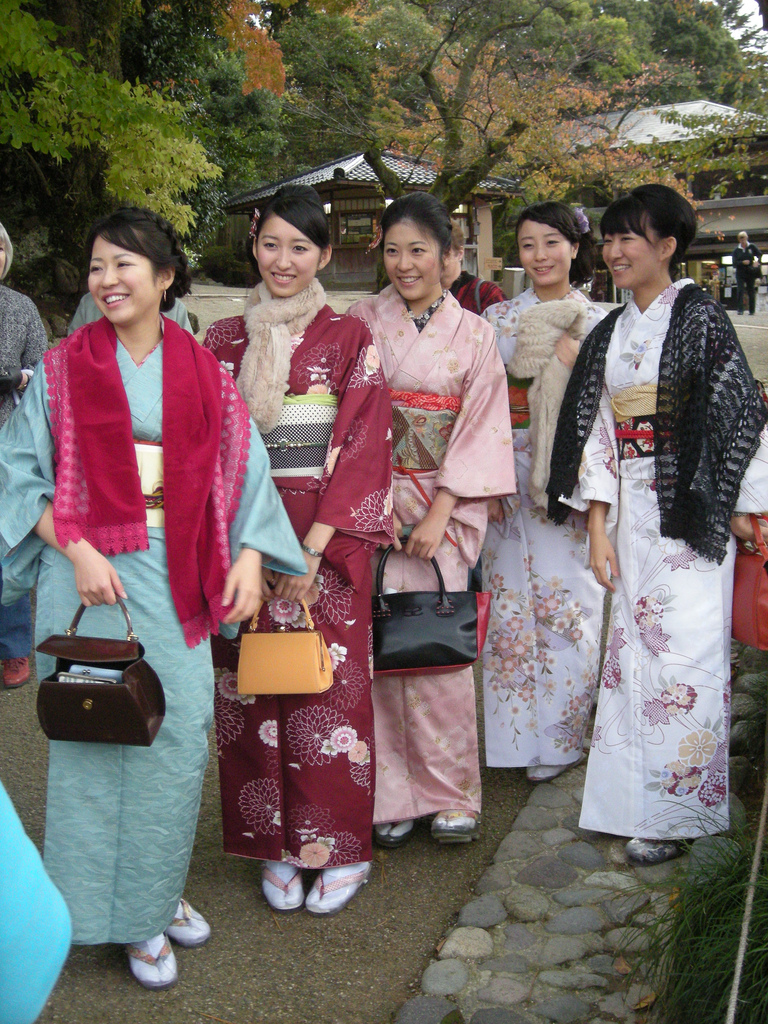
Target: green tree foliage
{"points": [[74, 138], [328, 106]]}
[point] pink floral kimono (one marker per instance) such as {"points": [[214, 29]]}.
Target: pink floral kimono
{"points": [[458, 437]]}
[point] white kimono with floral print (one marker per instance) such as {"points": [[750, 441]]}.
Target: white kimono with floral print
{"points": [[658, 766], [542, 652]]}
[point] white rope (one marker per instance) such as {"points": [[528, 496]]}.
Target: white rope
{"points": [[731, 1015]]}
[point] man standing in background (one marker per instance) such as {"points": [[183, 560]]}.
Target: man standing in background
{"points": [[746, 263]]}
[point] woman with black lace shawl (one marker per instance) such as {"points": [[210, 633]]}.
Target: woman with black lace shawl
{"points": [[661, 438]]}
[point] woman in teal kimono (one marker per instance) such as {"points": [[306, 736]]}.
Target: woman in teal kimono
{"points": [[132, 469]]}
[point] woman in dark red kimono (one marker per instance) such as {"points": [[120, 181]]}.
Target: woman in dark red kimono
{"points": [[297, 772]]}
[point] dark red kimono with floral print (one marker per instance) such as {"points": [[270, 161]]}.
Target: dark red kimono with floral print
{"points": [[297, 772]]}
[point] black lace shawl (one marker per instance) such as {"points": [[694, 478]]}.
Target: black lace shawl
{"points": [[708, 422]]}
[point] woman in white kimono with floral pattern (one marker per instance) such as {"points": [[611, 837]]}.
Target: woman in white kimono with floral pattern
{"points": [[542, 653], [661, 437]]}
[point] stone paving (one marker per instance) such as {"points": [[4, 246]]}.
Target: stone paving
{"points": [[557, 919]]}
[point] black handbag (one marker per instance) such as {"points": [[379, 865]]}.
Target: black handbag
{"points": [[427, 632], [10, 378], [129, 710]]}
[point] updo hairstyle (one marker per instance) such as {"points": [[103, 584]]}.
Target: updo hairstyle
{"points": [[299, 205], [148, 234], [563, 218], [657, 208], [424, 210]]}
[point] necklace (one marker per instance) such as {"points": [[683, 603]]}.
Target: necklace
{"points": [[421, 321]]}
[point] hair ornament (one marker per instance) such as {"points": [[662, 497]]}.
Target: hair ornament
{"points": [[254, 223], [376, 240], [581, 219]]}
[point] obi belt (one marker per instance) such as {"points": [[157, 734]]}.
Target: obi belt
{"points": [[298, 443], [421, 429], [519, 411], [149, 457], [635, 412]]}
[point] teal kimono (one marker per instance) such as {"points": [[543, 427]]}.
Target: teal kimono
{"points": [[120, 820]]}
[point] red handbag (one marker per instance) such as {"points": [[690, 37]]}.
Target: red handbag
{"points": [[750, 592]]}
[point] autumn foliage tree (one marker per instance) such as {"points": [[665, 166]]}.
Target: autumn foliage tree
{"points": [[510, 85]]}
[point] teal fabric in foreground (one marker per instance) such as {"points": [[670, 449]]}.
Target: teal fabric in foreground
{"points": [[34, 923]]}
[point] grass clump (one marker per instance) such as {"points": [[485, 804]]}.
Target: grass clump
{"points": [[692, 952]]}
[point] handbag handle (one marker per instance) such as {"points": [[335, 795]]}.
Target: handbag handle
{"points": [[130, 635], [444, 602], [759, 542], [254, 626]]}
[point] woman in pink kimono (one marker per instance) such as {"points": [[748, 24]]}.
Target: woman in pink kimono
{"points": [[452, 452], [296, 771]]}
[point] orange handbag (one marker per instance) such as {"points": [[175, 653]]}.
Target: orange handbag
{"points": [[284, 662], [750, 592]]}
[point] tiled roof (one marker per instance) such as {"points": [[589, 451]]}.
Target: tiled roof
{"points": [[663, 123], [355, 168]]}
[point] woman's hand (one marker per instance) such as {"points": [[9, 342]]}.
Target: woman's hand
{"points": [[602, 557], [243, 587], [741, 527], [427, 535], [96, 578], [296, 588], [495, 511], [397, 523], [566, 350]]}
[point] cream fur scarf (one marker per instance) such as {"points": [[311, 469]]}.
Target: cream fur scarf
{"points": [[270, 325], [538, 329]]}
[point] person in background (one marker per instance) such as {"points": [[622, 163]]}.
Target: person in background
{"points": [[542, 653], [453, 452], [132, 470], [87, 311], [35, 928], [22, 344], [662, 439], [746, 264], [297, 770], [472, 293]]}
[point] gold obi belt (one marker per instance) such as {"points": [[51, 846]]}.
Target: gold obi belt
{"points": [[298, 443], [421, 429], [635, 412], [639, 400], [149, 457]]}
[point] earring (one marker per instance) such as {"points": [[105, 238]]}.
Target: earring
{"points": [[164, 299]]}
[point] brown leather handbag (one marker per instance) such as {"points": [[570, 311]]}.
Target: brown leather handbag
{"points": [[128, 710], [750, 592]]}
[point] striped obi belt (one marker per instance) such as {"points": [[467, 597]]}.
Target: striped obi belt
{"points": [[421, 429], [635, 412], [149, 457], [298, 443]]}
